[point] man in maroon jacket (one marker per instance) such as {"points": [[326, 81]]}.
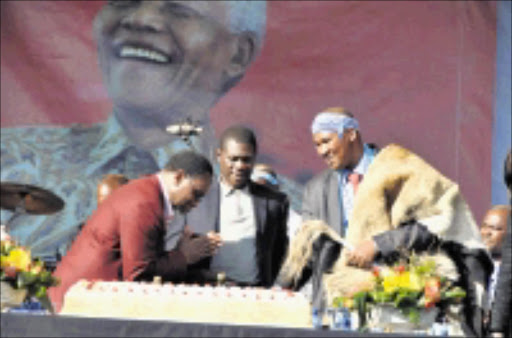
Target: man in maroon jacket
{"points": [[124, 237]]}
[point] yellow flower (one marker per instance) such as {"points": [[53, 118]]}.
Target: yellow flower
{"points": [[3, 261], [18, 258], [404, 280], [409, 281], [391, 282], [349, 303], [415, 281]]}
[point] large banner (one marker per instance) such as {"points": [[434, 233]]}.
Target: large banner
{"points": [[418, 73]]}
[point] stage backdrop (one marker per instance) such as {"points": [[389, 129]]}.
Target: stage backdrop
{"points": [[420, 74]]}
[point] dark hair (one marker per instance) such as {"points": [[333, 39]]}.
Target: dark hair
{"points": [[191, 162], [507, 170], [240, 134]]}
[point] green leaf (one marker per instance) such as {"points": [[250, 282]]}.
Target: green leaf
{"points": [[456, 292]]}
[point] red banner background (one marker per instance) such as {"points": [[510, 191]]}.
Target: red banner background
{"points": [[416, 73]]}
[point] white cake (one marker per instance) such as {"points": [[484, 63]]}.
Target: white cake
{"points": [[180, 302]]}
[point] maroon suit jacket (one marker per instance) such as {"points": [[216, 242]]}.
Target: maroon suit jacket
{"points": [[122, 240]]}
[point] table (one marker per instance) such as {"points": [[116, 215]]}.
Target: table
{"points": [[32, 325]]}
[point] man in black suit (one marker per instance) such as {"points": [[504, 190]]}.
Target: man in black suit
{"points": [[250, 219]]}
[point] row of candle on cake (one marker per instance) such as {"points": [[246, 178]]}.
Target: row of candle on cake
{"points": [[193, 290]]}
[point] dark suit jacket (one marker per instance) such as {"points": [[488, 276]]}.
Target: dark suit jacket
{"points": [[271, 212], [321, 200], [122, 240], [500, 312]]}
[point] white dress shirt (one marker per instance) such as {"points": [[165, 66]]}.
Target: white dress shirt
{"points": [[237, 256]]}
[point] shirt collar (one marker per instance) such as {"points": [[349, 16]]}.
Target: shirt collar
{"points": [[226, 189], [362, 165], [168, 211]]}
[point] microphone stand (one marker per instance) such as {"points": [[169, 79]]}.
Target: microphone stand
{"points": [[185, 130]]}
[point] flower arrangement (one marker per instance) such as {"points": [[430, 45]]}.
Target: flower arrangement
{"points": [[20, 271], [410, 286]]}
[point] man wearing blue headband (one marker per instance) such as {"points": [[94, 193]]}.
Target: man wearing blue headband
{"points": [[329, 196], [403, 206]]}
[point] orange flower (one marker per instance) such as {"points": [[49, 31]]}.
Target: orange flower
{"points": [[376, 271], [432, 290], [399, 269]]}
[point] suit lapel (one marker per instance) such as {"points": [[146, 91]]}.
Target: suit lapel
{"points": [[260, 209], [333, 203], [204, 217], [260, 217], [214, 206]]}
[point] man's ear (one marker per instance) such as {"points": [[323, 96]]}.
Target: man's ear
{"points": [[242, 54], [352, 135]]}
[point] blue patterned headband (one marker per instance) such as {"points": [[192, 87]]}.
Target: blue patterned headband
{"points": [[333, 122]]}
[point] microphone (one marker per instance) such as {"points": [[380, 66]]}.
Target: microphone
{"points": [[185, 129]]}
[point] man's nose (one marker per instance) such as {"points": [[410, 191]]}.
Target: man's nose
{"points": [[322, 150], [148, 16]]}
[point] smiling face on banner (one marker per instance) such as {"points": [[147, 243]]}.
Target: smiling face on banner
{"points": [[161, 56]]}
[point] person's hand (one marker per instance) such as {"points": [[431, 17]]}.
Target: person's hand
{"points": [[363, 255], [195, 248], [187, 230], [215, 240]]}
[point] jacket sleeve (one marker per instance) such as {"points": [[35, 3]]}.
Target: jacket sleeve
{"points": [[142, 252], [500, 312], [409, 236]]}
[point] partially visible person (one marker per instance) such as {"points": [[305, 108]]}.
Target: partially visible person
{"points": [[264, 174], [501, 325], [162, 63], [105, 187], [249, 218], [329, 196], [493, 228], [108, 184], [124, 237]]}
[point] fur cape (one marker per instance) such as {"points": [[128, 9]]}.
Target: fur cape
{"points": [[399, 186]]}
